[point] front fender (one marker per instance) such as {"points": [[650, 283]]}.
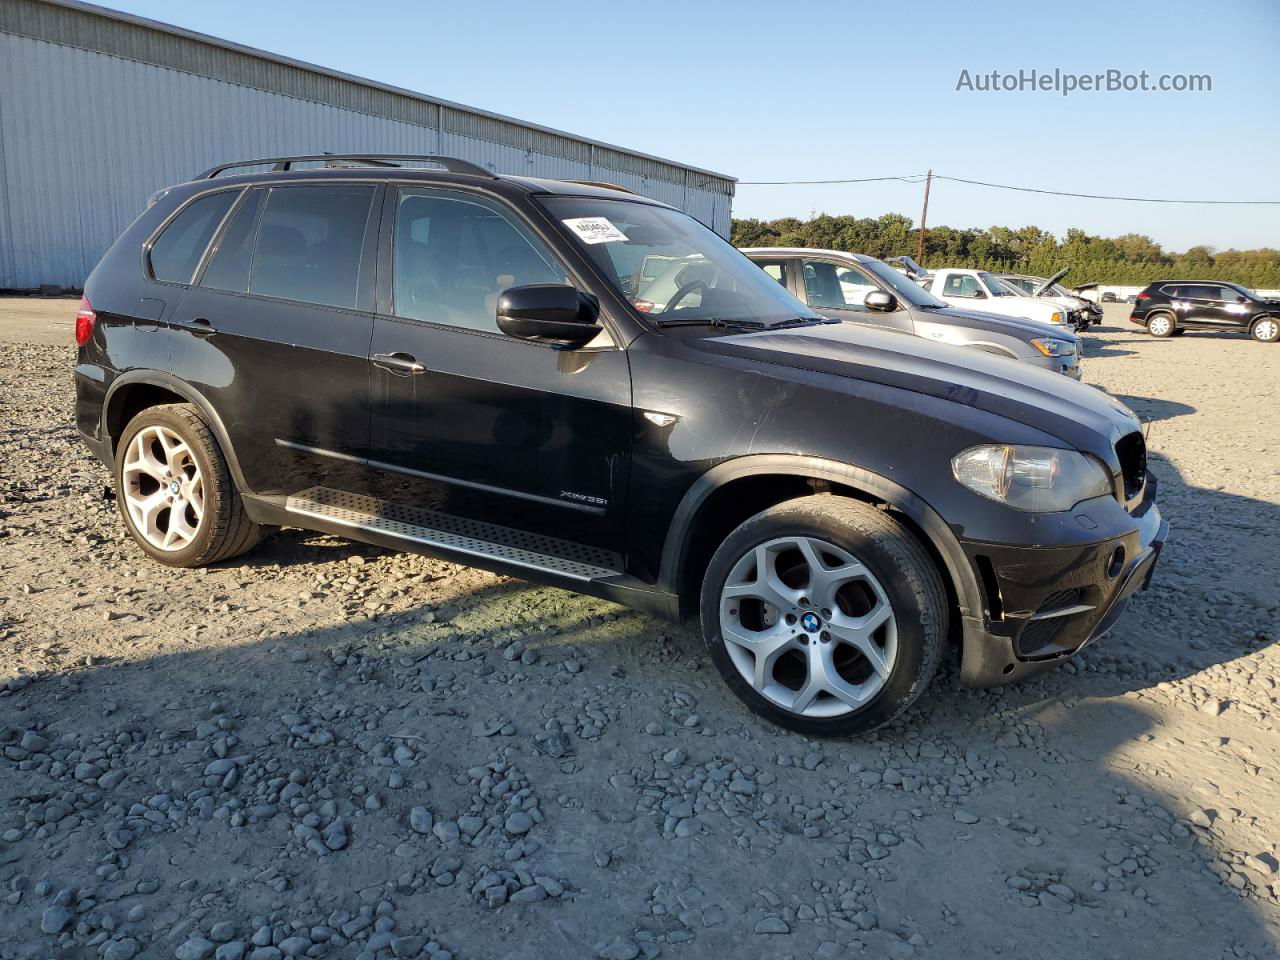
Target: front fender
{"points": [[873, 485]]}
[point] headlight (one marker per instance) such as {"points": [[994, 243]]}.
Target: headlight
{"points": [[1054, 348], [1056, 318], [1035, 479]]}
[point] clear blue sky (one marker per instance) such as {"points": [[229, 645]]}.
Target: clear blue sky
{"points": [[794, 91]]}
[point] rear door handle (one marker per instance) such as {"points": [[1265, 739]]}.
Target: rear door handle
{"points": [[401, 364]]}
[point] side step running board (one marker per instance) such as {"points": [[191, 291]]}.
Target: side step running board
{"points": [[455, 534]]}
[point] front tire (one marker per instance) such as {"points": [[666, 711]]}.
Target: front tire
{"points": [[1161, 325], [175, 492], [824, 615], [1266, 330]]}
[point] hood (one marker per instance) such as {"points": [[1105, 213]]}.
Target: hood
{"points": [[1083, 417], [996, 323], [1050, 282]]}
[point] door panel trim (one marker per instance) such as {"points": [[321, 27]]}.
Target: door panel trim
{"points": [[442, 478]]}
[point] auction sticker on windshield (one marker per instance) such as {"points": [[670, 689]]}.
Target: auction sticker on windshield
{"points": [[595, 229]]}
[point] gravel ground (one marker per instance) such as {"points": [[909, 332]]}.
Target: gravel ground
{"points": [[328, 750]]}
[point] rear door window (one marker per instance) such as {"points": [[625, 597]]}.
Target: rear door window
{"points": [[228, 267], [1200, 292], [310, 243], [175, 254], [774, 268]]}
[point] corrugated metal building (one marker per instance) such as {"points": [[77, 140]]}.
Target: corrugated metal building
{"points": [[99, 109]]}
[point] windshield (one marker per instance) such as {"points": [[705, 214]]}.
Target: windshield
{"points": [[998, 287], [906, 288], [670, 267]]}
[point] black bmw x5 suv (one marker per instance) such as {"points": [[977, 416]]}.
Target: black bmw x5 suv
{"points": [[476, 367]]}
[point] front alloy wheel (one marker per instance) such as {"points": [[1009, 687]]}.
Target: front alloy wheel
{"points": [[808, 626], [824, 615]]}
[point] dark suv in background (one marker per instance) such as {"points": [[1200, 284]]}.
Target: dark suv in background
{"points": [[1169, 308], [462, 364]]}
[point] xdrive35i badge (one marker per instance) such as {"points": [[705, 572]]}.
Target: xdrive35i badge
{"points": [[584, 498]]}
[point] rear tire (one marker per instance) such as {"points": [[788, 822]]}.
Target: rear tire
{"points": [[835, 615], [175, 491], [1161, 325], [1265, 330]]}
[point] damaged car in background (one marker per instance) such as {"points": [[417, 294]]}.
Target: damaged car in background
{"points": [[1082, 311]]}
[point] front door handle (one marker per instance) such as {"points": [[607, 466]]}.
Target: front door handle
{"points": [[199, 326], [401, 364]]}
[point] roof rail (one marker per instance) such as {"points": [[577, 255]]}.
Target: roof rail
{"points": [[281, 164], [602, 183]]}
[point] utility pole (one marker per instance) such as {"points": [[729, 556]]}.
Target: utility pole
{"points": [[924, 215]]}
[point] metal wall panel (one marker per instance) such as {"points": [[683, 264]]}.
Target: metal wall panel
{"points": [[87, 137]]}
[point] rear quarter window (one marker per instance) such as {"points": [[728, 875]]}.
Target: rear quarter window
{"points": [[174, 254]]}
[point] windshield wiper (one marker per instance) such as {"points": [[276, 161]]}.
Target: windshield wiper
{"points": [[710, 322], [802, 322]]}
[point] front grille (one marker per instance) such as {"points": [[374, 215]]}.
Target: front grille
{"points": [[1132, 451]]}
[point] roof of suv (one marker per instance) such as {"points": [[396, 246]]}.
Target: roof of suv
{"points": [[387, 167]]}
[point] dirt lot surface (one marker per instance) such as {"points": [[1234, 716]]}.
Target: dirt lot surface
{"points": [[328, 750]]}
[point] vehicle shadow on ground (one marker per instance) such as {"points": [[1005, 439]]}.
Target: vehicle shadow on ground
{"points": [[1154, 408], [449, 692], [1097, 347]]}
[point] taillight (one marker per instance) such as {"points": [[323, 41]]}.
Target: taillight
{"points": [[85, 320], [643, 306], [1143, 296]]}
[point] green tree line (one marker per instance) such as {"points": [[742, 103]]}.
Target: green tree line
{"points": [[1131, 259]]}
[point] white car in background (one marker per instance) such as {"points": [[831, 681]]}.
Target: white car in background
{"points": [[984, 291]]}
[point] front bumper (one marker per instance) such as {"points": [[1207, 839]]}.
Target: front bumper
{"points": [[1044, 604]]}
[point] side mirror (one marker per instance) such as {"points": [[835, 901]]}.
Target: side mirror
{"points": [[979, 294], [549, 313], [880, 301]]}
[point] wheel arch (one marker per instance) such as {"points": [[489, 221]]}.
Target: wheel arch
{"points": [[732, 491], [133, 392]]}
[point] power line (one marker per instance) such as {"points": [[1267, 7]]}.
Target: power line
{"points": [[920, 177], [1097, 196], [909, 178]]}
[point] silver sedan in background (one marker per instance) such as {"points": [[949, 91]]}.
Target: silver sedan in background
{"points": [[862, 289]]}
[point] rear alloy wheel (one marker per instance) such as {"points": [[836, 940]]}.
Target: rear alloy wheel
{"points": [[1266, 330], [163, 488], [1161, 325], [824, 615], [175, 491]]}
